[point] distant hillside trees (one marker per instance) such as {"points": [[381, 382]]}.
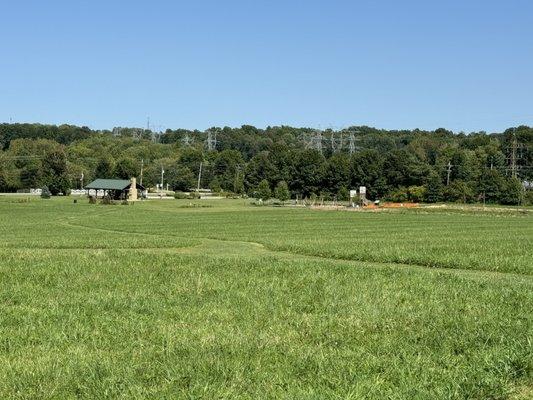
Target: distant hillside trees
{"points": [[414, 165]]}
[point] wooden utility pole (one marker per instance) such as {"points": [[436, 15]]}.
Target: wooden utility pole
{"points": [[199, 178], [142, 166], [162, 173]]}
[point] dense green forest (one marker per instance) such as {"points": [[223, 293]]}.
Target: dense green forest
{"points": [[398, 165]]}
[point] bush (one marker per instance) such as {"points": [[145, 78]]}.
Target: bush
{"points": [[512, 192], [459, 191], [282, 191], [343, 194], [181, 195], [106, 200], [263, 190], [433, 188], [92, 200], [528, 198], [186, 196], [45, 193], [325, 196], [416, 194], [399, 195], [214, 185]]}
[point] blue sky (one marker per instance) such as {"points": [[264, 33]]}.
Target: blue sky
{"points": [[464, 65]]}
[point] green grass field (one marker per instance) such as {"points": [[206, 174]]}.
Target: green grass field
{"points": [[159, 300]]}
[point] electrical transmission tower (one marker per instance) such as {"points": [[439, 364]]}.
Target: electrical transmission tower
{"points": [[305, 139], [515, 154], [187, 140], [352, 142], [211, 141], [316, 140], [336, 141]]}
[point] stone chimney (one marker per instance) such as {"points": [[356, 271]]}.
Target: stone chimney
{"points": [[132, 193]]}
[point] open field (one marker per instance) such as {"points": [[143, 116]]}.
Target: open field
{"points": [[159, 300]]}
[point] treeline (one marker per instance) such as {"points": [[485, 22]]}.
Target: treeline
{"points": [[404, 165]]}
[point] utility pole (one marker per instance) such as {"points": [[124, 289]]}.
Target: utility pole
{"points": [[448, 173], [162, 173], [81, 180], [142, 167], [199, 178]]}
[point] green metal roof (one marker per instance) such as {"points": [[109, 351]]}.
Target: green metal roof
{"points": [[109, 184]]}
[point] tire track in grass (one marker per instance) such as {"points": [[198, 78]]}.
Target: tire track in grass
{"points": [[215, 246]]}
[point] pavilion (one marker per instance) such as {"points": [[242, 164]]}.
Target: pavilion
{"points": [[117, 189]]}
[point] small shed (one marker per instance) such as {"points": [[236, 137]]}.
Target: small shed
{"points": [[117, 189]]}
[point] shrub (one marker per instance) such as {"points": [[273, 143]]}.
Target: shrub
{"points": [[528, 198], [106, 200], [263, 190], [399, 195], [433, 188], [512, 192], [181, 195], [416, 194], [343, 194], [282, 191], [325, 196], [459, 191], [215, 185], [92, 200], [45, 193]]}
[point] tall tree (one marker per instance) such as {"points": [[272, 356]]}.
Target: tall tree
{"points": [[126, 168], [55, 171], [434, 188], [281, 192], [309, 169], [105, 168], [263, 190]]}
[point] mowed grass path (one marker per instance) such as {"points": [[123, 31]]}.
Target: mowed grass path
{"points": [[158, 301]]}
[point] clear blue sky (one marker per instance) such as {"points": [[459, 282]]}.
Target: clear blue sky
{"points": [[464, 65]]}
